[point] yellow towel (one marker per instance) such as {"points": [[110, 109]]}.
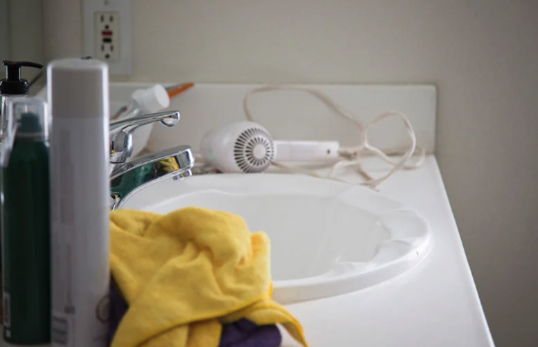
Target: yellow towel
{"points": [[185, 273]]}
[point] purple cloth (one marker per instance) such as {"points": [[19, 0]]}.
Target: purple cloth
{"points": [[118, 308], [242, 333]]}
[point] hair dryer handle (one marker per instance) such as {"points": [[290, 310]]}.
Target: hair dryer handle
{"points": [[306, 150]]}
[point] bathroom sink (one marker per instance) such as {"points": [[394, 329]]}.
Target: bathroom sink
{"points": [[327, 238]]}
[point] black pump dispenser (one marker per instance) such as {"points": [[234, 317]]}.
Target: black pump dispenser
{"points": [[13, 84]]}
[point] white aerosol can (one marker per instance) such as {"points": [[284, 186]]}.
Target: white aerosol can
{"points": [[78, 97]]}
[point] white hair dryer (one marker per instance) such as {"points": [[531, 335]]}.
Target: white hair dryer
{"points": [[248, 147]]}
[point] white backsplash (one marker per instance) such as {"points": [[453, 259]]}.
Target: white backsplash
{"points": [[295, 115]]}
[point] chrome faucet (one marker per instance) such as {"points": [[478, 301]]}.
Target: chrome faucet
{"points": [[126, 178]]}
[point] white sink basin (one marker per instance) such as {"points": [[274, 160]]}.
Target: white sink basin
{"points": [[327, 238]]}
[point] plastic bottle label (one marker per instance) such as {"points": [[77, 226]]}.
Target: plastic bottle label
{"points": [[80, 198]]}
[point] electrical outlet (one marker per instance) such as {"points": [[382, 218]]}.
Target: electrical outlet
{"points": [[107, 36], [107, 33]]}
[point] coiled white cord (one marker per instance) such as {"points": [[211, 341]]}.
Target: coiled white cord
{"points": [[352, 156]]}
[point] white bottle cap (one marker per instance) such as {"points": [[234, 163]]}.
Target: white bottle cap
{"points": [[152, 99], [78, 88]]}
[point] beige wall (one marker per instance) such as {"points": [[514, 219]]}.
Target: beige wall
{"points": [[482, 54], [4, 30], [25, 33]]}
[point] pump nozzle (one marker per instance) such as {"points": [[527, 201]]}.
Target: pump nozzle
{"points": [[13, 83]]}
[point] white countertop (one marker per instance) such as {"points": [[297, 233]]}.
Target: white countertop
{"points": [[434, 304]]}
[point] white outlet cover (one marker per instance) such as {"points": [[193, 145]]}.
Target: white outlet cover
{"points": [[107, 21], [124, 64]]}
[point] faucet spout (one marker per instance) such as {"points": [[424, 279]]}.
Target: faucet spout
{"points": [[128, 178], [121, 133]]}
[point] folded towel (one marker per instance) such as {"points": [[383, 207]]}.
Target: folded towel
{"points": [[242, 333], [187, 273]]}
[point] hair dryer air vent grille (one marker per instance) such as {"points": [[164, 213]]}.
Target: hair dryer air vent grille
{"points": [[253, 150]]}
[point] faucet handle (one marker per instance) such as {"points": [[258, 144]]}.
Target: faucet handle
{"points": [[121, 132]]}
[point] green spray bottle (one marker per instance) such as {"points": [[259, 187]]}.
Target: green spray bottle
{"points": [[26, 225]]}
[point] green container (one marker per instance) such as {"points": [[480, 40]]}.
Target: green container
{"points": [[26, 233]]}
